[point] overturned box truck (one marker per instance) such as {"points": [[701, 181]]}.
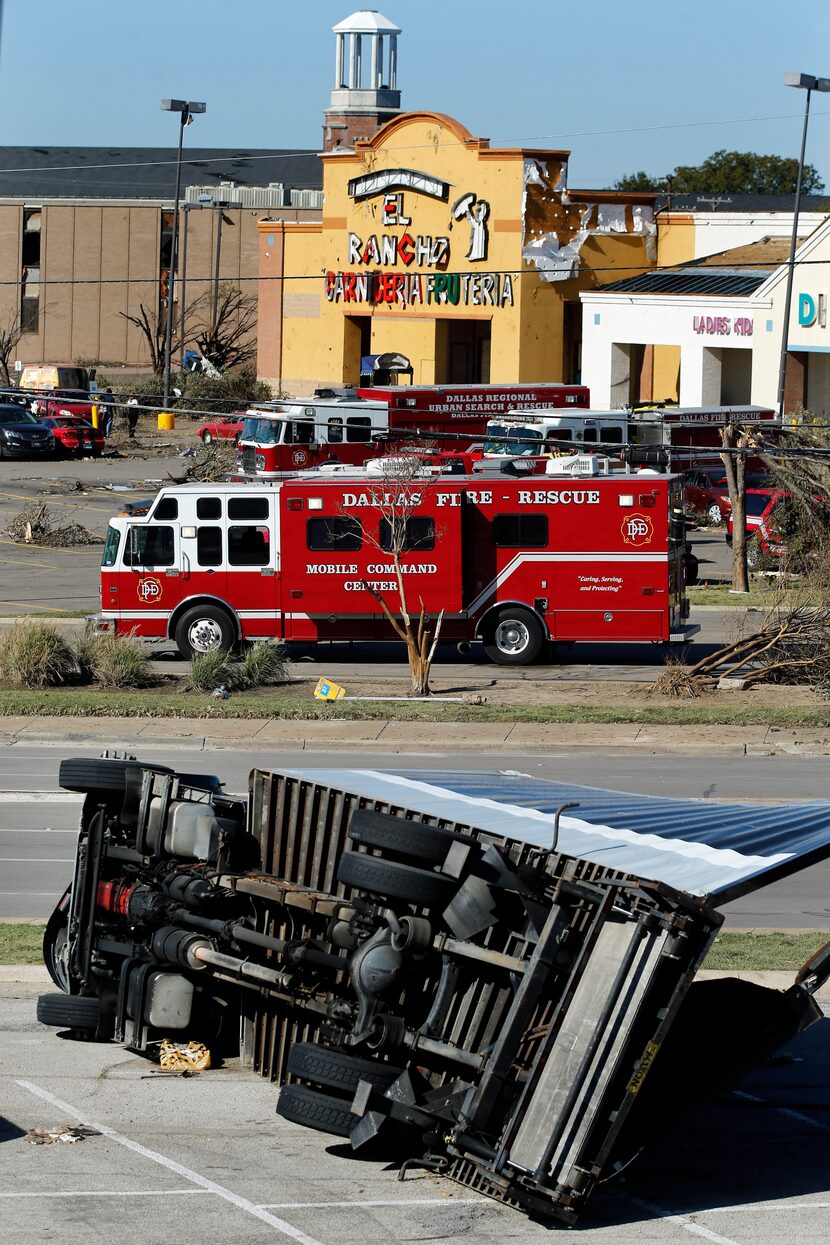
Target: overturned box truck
{"points": [[496, 971]]}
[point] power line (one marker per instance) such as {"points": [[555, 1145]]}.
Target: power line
{"points": [[520, 141]]}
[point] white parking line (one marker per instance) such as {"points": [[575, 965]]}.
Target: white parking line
{"points": [[39, 797], [210, 1186], [788, 1111], [36, 860], [413, 1201], [115, 1193], [681, 1221]]}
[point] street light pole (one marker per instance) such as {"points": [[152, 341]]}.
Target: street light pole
{"points": [[186, 110], [809, 83]]}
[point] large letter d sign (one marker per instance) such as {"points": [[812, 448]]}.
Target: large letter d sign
{"points": [[806, 310]]}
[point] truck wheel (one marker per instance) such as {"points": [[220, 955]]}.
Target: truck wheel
{"points": [[336, 1069], [429, 844], [324, 1112], [85, 774], [691, 569], [203, 629], [69, 1011], [515, 637], [420, 887]]}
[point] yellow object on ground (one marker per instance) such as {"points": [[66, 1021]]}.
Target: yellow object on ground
{"points": [[327, 690], [183, 1056], [166, 421]]}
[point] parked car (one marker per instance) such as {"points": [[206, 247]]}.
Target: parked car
{"points": [[75, 436], [767, 513], [63, 402], [705, 491], [228, 428], [21, 435]]}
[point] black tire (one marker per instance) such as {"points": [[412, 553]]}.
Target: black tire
{"points": [[207, 437], [69, 1011], [514, 637], [324, 1112], [54, 942], [210, 622], [85, 774], [403, 838], [420, 887], [336, 1069], [691, 568]]}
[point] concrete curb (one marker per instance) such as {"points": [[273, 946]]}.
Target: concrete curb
{"points": [[36, 974], [382, 735]]}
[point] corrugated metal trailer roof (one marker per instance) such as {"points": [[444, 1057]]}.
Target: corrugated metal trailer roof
{"points": [[710, 850]]}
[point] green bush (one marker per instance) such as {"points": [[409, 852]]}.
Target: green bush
{"points": [[120, 661], [264, 664], [34, 654], [212, 670], [85, 653]]}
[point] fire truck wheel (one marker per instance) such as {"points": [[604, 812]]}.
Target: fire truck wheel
{"points": [[420, 887], [515, 638], [324, 1112], [203, 629], [69, 1011], [335, 1069]]}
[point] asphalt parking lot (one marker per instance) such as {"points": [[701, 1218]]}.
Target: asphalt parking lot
{"points": [[206, 1160]]}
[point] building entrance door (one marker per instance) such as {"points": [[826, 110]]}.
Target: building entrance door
{"points": [[462, 355]]}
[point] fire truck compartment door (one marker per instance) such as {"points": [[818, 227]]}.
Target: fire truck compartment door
{"points": [[155, 573], [330, 554]]}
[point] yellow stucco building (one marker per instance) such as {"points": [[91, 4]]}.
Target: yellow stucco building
{"points": [[467, 259]]}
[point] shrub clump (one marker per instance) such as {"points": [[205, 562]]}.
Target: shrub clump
{"points": [[264, 664], [211, 670], [117, 660], [34, 654]]}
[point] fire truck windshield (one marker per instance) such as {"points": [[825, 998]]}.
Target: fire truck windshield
{"points": [[512, 440], [262, 431]]}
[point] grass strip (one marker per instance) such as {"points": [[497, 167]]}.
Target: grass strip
{"points": [[731, 952], [735, 952], [21, 943], [757, 597], [73, 702]]}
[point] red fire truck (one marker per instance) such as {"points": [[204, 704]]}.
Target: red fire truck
{"points": [[513, 563], [305, 432]]}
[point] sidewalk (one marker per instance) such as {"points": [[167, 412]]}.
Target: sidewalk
{"points": [[388, 736]]}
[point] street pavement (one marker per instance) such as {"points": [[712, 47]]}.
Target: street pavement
{"points": [[37, 820], [206, 1160]]}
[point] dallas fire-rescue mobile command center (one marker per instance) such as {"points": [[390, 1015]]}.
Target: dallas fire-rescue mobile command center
{"points": [[514, 563]]}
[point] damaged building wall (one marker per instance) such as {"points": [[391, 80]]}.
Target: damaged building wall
{"points": [[557, 225]]}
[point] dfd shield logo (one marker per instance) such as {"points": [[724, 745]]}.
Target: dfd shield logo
{"points": [[637, 529], [149, 590]]}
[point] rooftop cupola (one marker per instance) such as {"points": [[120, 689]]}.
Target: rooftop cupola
{"points": [[365, 93]]}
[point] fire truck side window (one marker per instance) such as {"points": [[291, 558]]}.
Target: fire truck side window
{"points": [[335, 431], [248, 508], [209, 508], [612, 436], [300, 432], [167, 508], [248, 546], [399, 535], [149, 546], [209, 546], [359, 428], [339, 533], [520, 531]]}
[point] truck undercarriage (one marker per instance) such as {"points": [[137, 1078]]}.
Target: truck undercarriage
{"points": [[519, 1016]]}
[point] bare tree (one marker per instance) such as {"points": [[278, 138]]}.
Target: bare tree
{"points": [[11, 332], [228, 339], [152, 325], [397, 497]]}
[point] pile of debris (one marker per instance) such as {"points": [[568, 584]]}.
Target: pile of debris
{"points": [[35, 525], [207, 464], [790, 646]]}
